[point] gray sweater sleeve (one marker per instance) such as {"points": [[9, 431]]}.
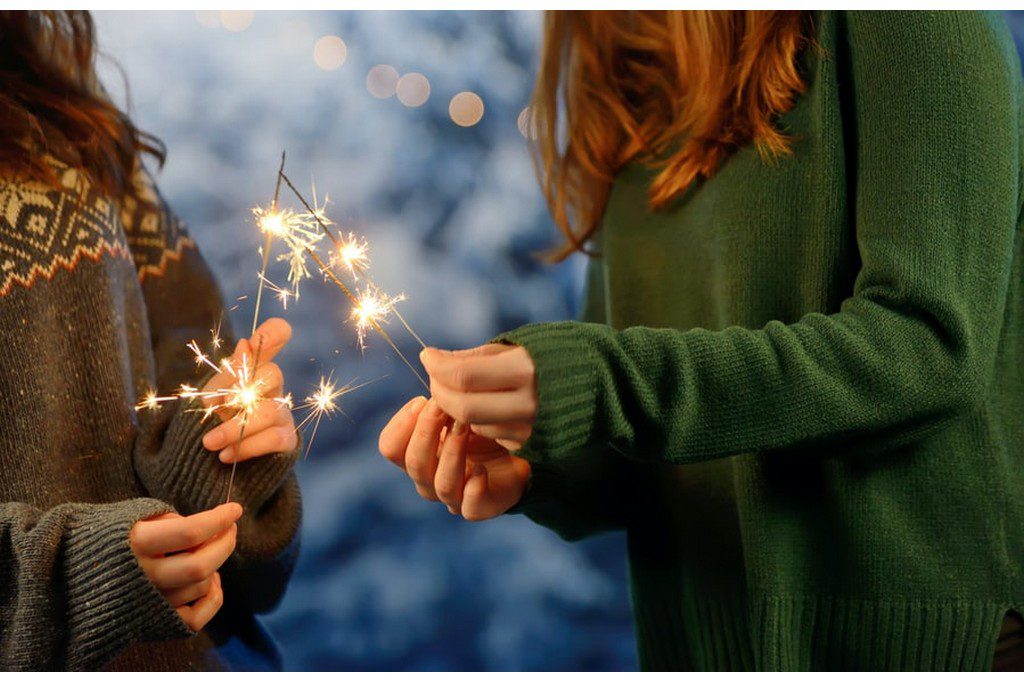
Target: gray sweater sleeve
{"points": [[172, 464], [75, 595]]}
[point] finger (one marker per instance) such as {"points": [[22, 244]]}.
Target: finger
{"points": [[160, 536], [267, 414], [394, 438], [487, 407], [175, 571], [517, 432], [451, 466], [482, 350], [494, 489], [474, 501], [186, 594], [269, 380], [421, 453], [511, 369], [198, 615], [270, 338], [276, 439]]}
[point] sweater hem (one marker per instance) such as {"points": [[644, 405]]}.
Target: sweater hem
{"points": [[818, 633]]}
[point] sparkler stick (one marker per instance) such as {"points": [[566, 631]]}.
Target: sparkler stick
{"points": [[266, 255], [326, 270], [373, 322]]}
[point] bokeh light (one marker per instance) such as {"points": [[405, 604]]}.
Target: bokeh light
{"points": [[527, 126], [236, 20], [413, 89], [382, 80], [207, 18], [330, 52], [466, 108]]}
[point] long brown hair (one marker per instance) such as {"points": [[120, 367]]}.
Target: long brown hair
{"points": [[680, 90], [51, 104]]}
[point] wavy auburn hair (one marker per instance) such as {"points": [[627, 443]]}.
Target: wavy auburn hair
{"points": [[679, 90], [51, 104]]}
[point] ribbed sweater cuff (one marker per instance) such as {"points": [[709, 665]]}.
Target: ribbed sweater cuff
{"points": [[195, 479], [111, 601], [566, 366]]}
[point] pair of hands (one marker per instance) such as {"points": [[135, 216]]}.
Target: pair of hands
{"points": [[456, 446], [182, 555]]}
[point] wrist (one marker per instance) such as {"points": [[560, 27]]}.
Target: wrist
{"points": [[567, 388]]}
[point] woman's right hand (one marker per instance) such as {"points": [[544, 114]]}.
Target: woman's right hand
{"points": [[474, 476], [181, 556]]}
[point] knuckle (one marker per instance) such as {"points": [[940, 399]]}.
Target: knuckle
{"points": [[287, 438], [195, 571], [423, 432], [192, 536], [462, 378]]}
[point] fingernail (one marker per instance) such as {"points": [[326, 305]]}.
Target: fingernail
{"points": [[413, 404], [424, 354], [213, 440], [227, 455], [452, 510], [459, 428], [433, 409]]}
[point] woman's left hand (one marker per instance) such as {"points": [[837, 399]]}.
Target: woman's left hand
{"points": [[270, 428], [492, 387]]}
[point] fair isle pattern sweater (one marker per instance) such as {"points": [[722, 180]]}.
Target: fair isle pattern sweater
{"points": [[97, 301], [801, 389]]}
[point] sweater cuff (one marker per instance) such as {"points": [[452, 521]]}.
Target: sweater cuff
{"points": [[111, 601], [184, 472], [566, 366]]}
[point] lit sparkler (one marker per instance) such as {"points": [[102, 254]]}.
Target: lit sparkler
{"points": [[371, 308]]}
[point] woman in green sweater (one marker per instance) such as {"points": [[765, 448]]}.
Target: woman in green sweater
{"points": [[798, 386]]}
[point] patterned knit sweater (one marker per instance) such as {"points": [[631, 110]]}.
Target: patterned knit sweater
{"points": [[97, 301], [801, 389]]}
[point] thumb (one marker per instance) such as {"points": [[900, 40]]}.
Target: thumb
{"points": [[474, 495]]}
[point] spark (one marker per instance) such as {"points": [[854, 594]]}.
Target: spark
{"points": [[282, 293], [323, 402], [353, 253], [371, 311]]}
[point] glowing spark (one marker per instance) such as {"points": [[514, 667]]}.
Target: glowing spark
{"points": [[151, 401], [353, 254], [371, 310], [322, 402], [282, 293], [299, 232]]}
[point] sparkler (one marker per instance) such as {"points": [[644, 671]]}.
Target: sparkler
{"points": [[371, 307]]}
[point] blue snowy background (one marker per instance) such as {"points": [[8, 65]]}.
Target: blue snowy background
{"points": [[453, 214]]}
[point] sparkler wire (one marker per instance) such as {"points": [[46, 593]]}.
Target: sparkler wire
{"points": [[334, 278]]}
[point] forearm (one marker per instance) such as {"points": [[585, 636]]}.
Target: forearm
{"points": [[75, 595]]}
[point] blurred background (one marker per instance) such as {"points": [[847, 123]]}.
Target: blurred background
{"points": [[413, 124]]}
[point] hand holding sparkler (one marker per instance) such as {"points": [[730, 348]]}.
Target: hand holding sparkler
{"points": [[248, 393], [182, 556], [472, 475]]}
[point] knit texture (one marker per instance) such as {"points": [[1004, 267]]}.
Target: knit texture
{"points": [[97, 302], [800, 389]]}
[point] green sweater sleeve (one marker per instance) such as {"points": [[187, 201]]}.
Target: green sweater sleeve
{"points": [[934, 177], [583, 495]]}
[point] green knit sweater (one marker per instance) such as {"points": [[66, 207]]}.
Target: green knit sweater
{"points": [[801, 391]]}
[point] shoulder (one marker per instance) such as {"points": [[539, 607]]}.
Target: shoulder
{"points": [[957, 45]]}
